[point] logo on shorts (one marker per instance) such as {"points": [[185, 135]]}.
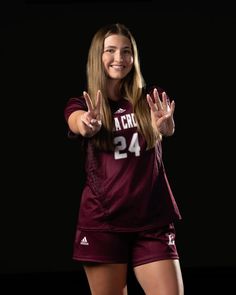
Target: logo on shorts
{"points": [[84, 242], [171, 239]]}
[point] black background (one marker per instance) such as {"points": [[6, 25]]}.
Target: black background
{"points": [[188, 49]]}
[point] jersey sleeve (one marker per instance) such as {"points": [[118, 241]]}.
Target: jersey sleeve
{"points": [[74, 104]]}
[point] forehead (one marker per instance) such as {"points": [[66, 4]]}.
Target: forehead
{"points": [[117, 41]]}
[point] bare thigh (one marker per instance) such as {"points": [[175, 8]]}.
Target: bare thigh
{"points": [[160, 277], [107, 279]]}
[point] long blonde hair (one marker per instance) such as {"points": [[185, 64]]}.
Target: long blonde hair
{"points": [[132, 87]]}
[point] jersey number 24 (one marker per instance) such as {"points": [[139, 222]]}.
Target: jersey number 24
{"points": [[121, 145]]}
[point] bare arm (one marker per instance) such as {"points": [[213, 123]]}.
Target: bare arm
{"points": [[76, 125]]}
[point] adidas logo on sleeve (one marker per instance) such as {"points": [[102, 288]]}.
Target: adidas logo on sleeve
{"points": [[84, 242]]}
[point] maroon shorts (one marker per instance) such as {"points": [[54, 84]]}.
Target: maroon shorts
{"points": [[136, 248]]}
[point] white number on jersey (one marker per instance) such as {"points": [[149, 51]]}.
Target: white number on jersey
{"points": [[121, 145]]}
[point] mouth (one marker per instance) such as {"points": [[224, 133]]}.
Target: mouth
{"points": [[117, 67]]}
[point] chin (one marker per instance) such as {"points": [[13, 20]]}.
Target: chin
{"points": [[118, 76]]}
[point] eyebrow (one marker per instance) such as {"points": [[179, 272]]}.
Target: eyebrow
{"points": [[112, 46]]}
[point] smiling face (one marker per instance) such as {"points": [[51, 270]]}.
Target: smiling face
{"points": [[117, 56]]}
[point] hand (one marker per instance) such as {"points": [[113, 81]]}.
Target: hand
{"points": [[92, 118], [162, 113]]}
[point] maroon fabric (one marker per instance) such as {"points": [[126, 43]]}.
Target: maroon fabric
{"points": [[126, 190], [134, 248]]}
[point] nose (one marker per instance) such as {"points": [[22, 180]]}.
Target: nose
{"points": [[118, 56]]}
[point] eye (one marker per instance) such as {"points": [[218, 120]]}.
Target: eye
{"points": [[127, 51], [110, 50]]}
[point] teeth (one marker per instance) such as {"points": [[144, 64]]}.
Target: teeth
{"points": [[117, 67]]}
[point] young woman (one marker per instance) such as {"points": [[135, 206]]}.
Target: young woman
{"points": [[127, 210]]}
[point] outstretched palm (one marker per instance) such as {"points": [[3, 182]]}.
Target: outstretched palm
{"points": [[161, 113]]}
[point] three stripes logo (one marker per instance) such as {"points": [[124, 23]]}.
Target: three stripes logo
{"points": [[84, 242]]}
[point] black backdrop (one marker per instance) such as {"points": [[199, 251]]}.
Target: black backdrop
{"points": [[187, 49]]}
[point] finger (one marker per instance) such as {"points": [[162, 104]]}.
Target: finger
{"points": [[172, 107], [165, 102], [88, 101], [157, 99], [151, 103], [85, 119], [87, 124], [98, 104], [96, 123], [98, 100]]}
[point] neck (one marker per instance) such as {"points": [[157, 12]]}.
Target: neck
{"points": [[113, 90]]}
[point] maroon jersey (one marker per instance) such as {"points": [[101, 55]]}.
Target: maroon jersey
{"points": [[126, 189]]}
